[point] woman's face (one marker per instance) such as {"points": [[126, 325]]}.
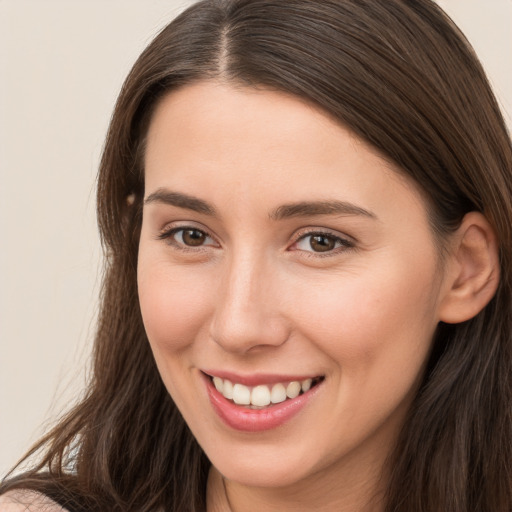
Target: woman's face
{"points": [[279, 253]]}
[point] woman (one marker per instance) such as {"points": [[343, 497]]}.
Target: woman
{"points": [[306, 210]]}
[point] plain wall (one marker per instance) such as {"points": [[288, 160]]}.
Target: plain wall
{"points": [[61, 66]]}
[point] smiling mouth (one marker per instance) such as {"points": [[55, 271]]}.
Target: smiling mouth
{"points": [[263, 396]]}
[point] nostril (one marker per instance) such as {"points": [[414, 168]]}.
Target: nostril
{"points": [[238, 336]]}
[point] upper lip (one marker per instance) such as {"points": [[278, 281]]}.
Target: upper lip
{"points": [[255, 379]]}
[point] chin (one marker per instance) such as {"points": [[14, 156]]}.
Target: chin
{"points": [[255, 474], [272, 465]]}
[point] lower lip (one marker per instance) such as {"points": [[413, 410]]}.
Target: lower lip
{"points": [[239, 417]]}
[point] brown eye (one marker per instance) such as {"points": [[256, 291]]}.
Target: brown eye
{"points": [[193, 237], [187, 238], [318, 242], [322, 243]]}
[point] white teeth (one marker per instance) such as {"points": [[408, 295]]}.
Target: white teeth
{"points": [[306, 385], [227, 390], [293, 389], [278, 394], [218, 383], [241, 394], [260, 395]]}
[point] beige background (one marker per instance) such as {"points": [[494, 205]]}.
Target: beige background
{"points": [[61, 66]]}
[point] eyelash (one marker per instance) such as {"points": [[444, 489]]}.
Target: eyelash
{"points": [[344, 244]]}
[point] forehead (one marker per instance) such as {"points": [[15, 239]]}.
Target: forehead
{"points": [[261, 146]]}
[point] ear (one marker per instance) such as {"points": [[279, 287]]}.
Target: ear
{"points": [[472, 273]]}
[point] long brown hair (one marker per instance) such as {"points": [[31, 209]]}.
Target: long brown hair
{"points": [[401, 76]]}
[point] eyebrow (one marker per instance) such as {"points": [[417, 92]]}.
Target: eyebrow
{"points": [[285, 211], [309, 209], [180, 200]]}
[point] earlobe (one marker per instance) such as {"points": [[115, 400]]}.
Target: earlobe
{"points": [[474, 270]]}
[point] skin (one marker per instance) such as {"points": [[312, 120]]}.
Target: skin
{"points": [[27, 501], [255, 297]]}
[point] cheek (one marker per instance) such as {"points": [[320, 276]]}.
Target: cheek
{"points": [[174, 305], [376, 323]]}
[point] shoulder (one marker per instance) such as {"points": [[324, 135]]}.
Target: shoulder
{"points": [[27, 501]]}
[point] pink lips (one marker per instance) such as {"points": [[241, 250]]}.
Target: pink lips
{"points": [[256, 420]]}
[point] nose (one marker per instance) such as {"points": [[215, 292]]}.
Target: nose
{"points": [[247, 314]]}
